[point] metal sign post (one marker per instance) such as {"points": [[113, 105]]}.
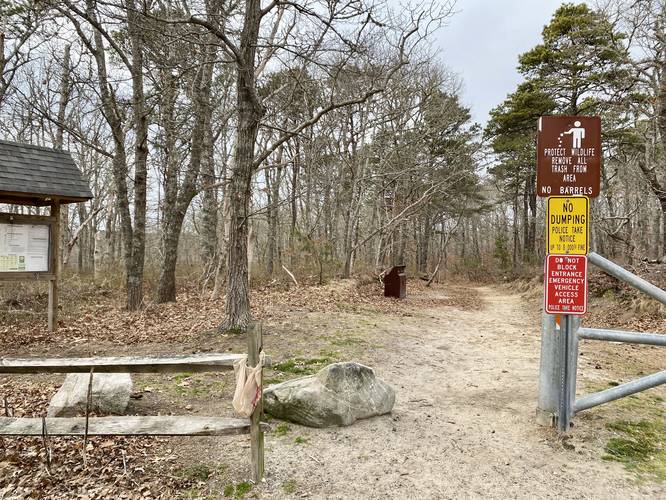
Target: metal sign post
{"points": [[568, 172]]}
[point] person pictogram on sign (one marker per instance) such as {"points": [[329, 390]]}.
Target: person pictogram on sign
{"points": [[577, 133]]}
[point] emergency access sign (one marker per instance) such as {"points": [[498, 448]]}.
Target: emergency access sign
{"points": [[566, 284], [567, 230]]}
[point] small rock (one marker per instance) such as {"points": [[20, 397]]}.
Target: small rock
{"points": [[110, 394]]}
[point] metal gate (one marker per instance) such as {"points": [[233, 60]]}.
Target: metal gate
{"points": [[559, 356]]}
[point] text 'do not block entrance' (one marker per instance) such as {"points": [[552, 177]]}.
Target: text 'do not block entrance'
{"points": [[566, 284]]}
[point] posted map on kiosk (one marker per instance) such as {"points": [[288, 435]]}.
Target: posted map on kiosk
{"points": [[24, 247]]}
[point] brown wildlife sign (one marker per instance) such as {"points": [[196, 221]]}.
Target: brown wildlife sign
{"points": [[568, 155]]}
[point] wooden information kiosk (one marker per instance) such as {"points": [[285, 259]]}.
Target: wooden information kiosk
{"points": [[29, 244]]}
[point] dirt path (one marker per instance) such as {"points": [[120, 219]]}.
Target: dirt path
{"points": [[463, 360], [463, 424]]}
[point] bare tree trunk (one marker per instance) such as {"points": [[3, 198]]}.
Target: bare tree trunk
{"points": [[475, 239], [223, 245], [58, 143], [273, 211], [352, 216], [294, 202], [179, 200], [250, 111], [209, 203], [166, 289], [119, 161], [516, 237], [525, 223], [137, 244], [657, 225], [424, 245], [532, 200]]}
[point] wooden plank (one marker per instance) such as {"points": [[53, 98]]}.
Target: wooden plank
{"points": [[126, 426], [25, 219], [128, 364], [254, 347], [26, 276], [36, 199], [13, 198]]}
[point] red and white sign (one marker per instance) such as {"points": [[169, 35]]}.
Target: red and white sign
{"points": [[566, 284]]}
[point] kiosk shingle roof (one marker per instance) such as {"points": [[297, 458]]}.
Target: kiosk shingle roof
{"points": [[36, 172]]}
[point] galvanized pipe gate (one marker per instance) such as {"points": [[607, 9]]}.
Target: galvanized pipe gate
{"points": [[557, 402]]}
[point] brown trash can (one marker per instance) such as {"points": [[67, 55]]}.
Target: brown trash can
{"points": [[395, 283]]}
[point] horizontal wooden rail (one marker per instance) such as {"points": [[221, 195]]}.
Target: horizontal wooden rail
{"points": [[26, 276], [143, 425], [129, 364], [126, 426]]}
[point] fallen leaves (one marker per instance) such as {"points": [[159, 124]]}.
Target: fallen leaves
{"points": [[118, 468], [92, 321], [101, 318]]}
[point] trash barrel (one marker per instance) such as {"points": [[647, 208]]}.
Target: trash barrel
{"points": [[395, 283]]}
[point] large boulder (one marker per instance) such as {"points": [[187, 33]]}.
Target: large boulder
{"points": [[338, 395], [110, 394]]}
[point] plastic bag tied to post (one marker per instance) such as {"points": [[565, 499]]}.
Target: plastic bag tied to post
{"points": [[248, 386]]}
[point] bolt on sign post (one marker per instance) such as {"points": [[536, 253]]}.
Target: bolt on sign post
{"points": [[568, 156], [567, 229]]}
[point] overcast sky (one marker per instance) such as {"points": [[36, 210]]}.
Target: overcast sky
{"points": [[482, 42]]}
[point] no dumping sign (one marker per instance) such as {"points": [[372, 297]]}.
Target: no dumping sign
{"points": [[566, 284], [567, 225]]}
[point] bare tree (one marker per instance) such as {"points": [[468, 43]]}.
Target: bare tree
{"points": [[329, 22]]}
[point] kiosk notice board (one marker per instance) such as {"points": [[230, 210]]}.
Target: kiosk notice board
{"points": [[24, 247]]}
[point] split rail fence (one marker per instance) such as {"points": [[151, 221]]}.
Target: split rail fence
{"points": [[143, 425], [557, 403]]}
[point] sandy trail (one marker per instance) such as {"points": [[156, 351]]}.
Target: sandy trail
{"points": [[463, 425]]}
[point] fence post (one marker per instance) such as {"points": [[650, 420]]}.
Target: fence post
{"points": [[54, 267], [549, 371], [557, 371], [254, 347]]}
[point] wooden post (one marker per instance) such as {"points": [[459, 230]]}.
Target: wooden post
{"points": [[54, 266], [254, 347]]}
